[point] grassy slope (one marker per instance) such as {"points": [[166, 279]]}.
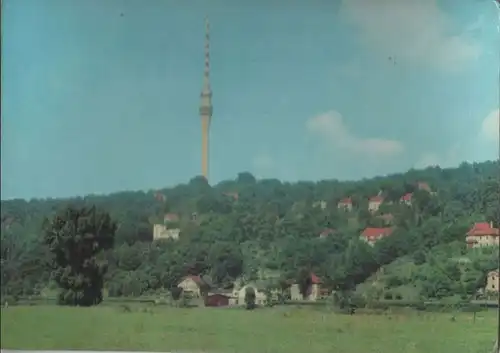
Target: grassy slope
{"points": [[231, 330], [405, 269]]}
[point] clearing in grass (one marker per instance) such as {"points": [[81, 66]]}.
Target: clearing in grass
{"points": [[236, 330]]}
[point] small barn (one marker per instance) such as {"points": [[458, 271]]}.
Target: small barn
{"points": [[217, 299]]}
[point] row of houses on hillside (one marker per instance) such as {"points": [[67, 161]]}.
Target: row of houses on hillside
{"points": [[200, 287], [480, 235], [375, 202]]}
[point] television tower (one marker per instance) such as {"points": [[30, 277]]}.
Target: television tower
{"points": [[206, 105]]}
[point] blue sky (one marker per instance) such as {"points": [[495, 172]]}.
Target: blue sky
{"points": [[101, 96]]}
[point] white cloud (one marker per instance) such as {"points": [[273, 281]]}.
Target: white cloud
{"points": [[416, 31], [490, 127], [330, 128]]}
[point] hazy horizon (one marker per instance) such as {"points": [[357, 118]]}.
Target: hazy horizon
{"points": [[154, 189]]}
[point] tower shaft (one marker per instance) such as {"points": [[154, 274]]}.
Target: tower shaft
{"points": [[205, 123], [206, 105]]}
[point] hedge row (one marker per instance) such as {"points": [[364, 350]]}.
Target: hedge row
{"points": [[387, 304]]}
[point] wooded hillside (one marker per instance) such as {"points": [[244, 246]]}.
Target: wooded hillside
{"points": [[248, 229]]}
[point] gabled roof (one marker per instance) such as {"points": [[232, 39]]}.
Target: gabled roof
{"points": [[483, 228], [377, 198], [196, 279], [346, 201], [370, 233], [315, 279], [494, 273], [200, 280], [226, 293], [171, 217], [407, 196]]}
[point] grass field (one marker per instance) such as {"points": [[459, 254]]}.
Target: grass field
{"points": [[236, 330]]}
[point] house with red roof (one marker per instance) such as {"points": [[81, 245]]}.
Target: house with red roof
{"points": [[493, 281], [374, 203], [314, 291], [482, 234], [345, 204], [406, 198], [371, 235]]}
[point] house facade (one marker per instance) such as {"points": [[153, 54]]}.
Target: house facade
{"points": [[406, 199], [160, 231], [372, 235], [345, 204], [194, 285], [482, 234], [313, 292], [492, 282], [319, 204], [374, 203]]}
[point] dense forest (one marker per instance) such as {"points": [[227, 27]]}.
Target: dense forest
{"points": [[247, 229]]}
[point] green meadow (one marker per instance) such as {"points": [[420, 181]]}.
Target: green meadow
{"points": [[278, 330]]}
